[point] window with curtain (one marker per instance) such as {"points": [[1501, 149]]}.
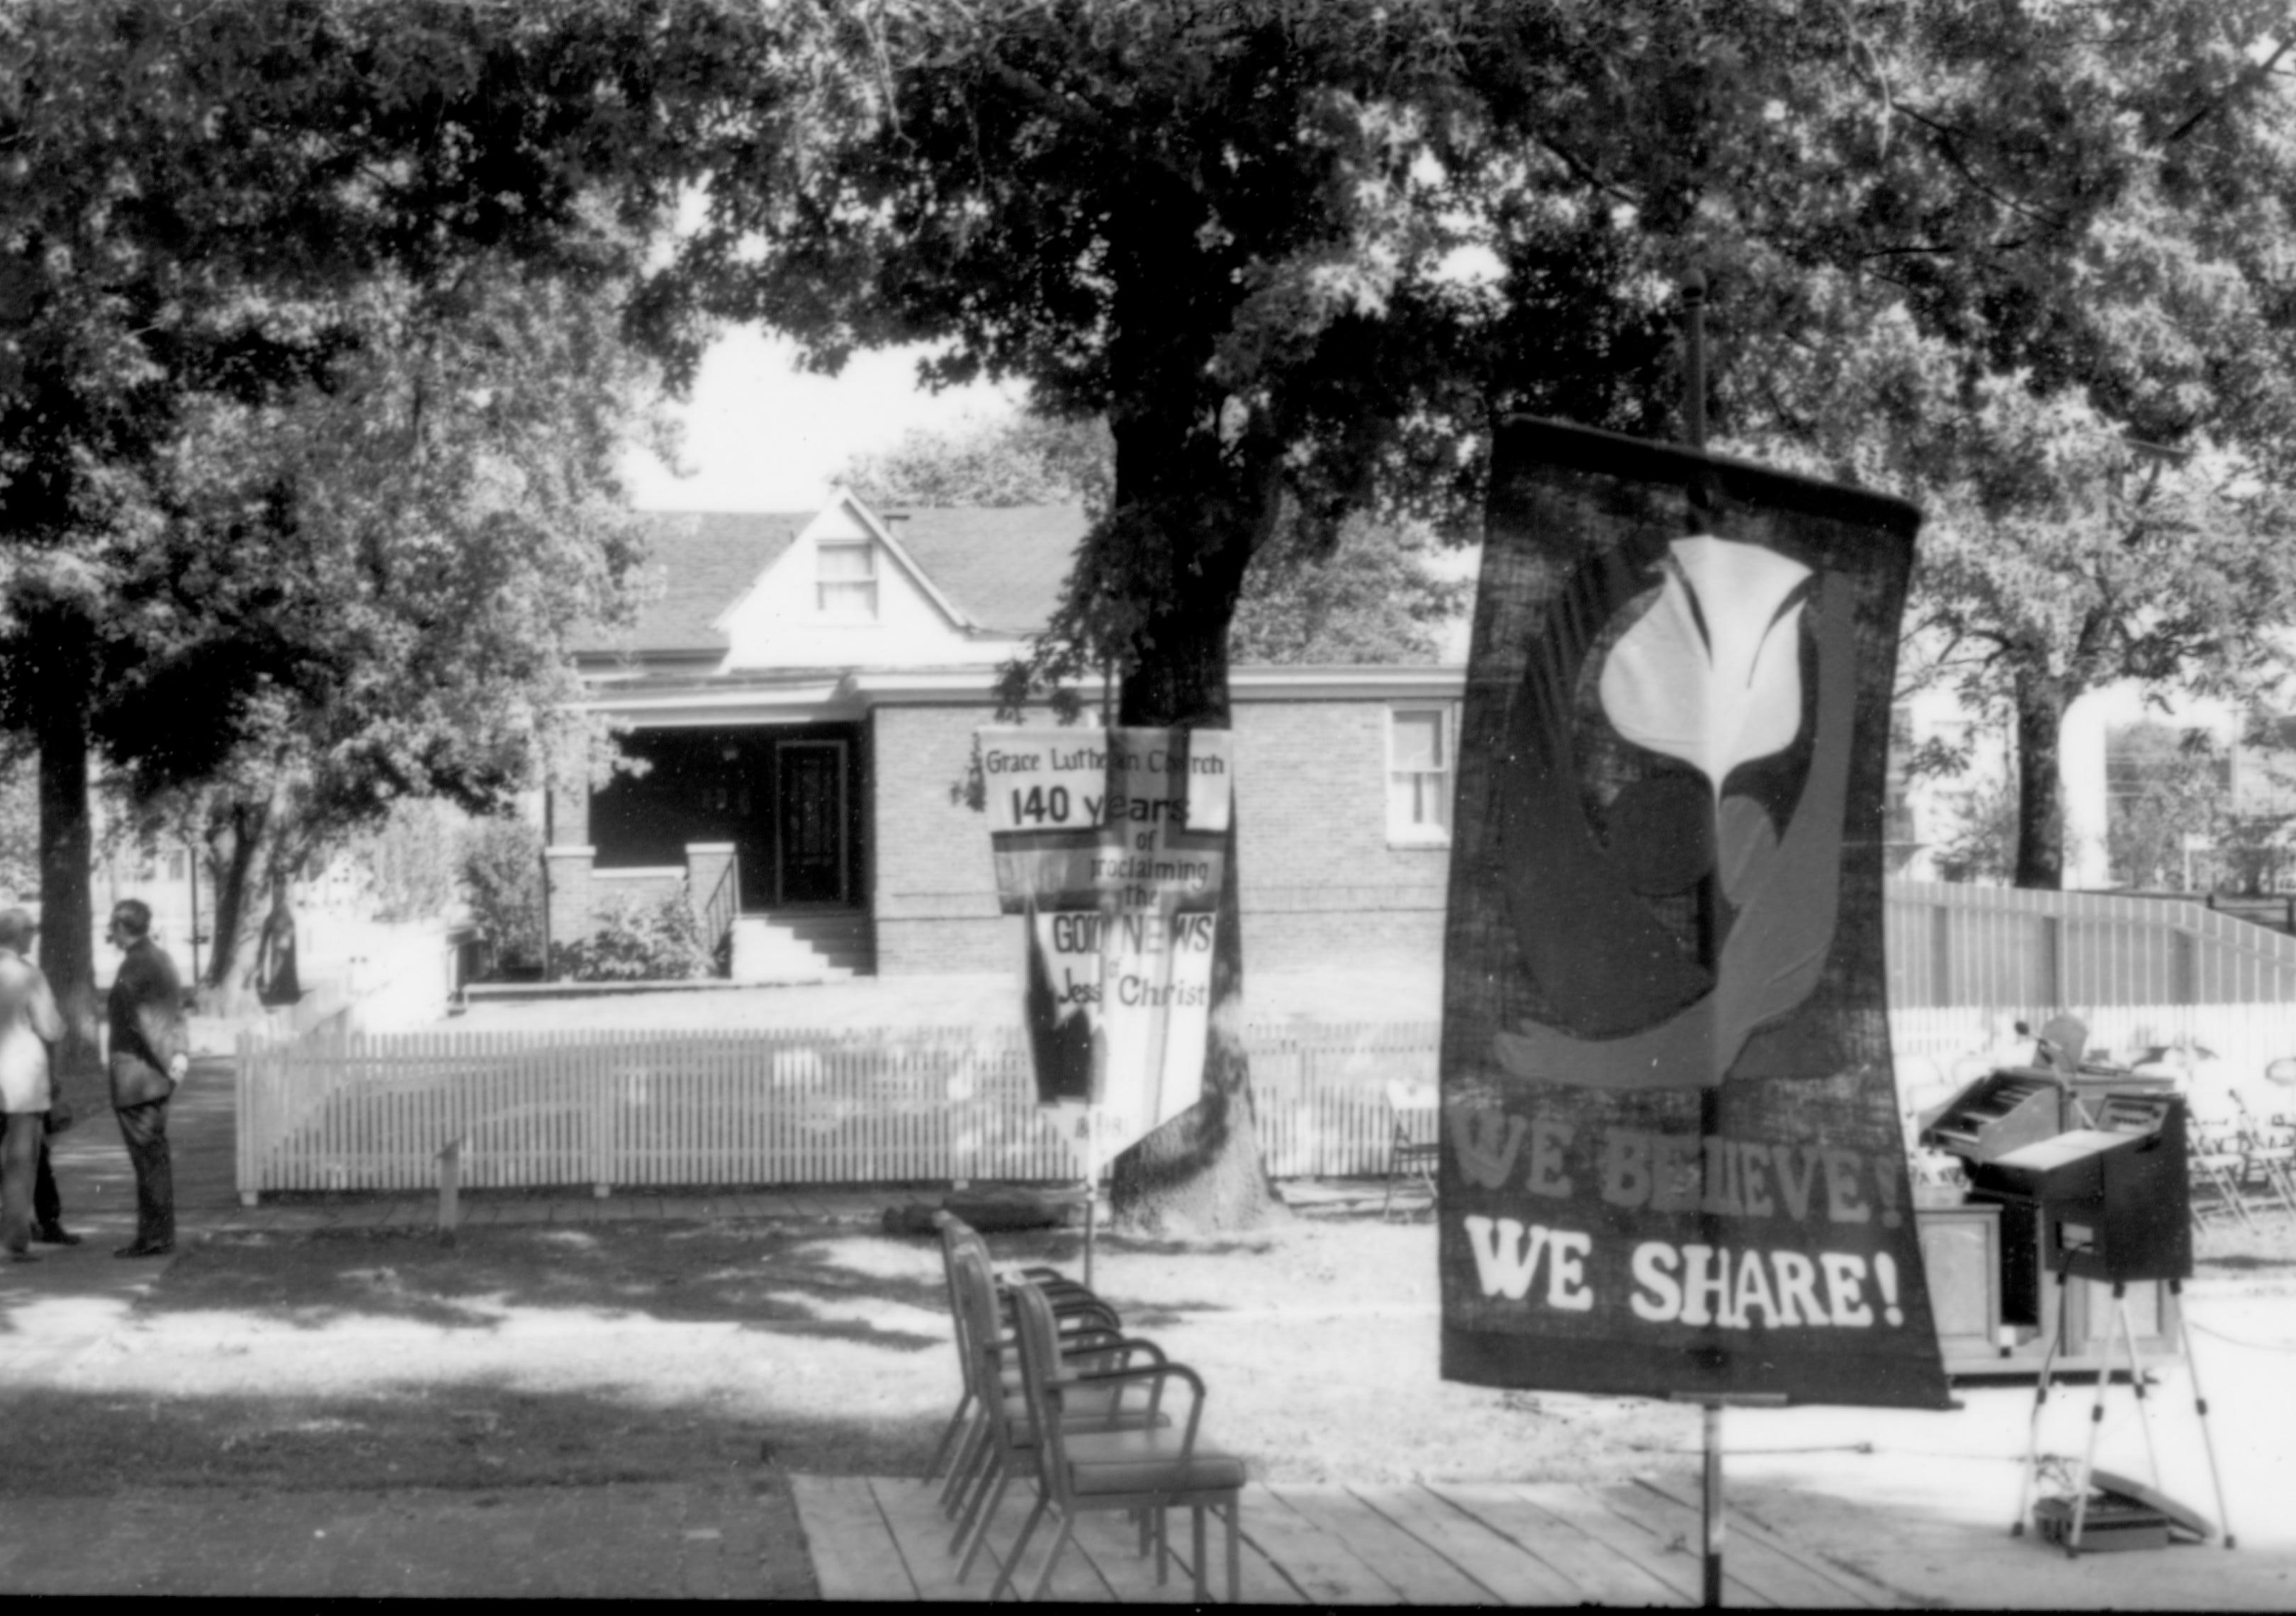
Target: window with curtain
{"points": [[846, 579], [1419, 748]]}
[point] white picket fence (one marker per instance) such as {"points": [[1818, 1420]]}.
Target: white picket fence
{"points": [[782, 1107], [788, 1107]]}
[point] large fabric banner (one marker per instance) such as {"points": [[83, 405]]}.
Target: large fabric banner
{"points": [[1110, 844], [1673, 1162]]}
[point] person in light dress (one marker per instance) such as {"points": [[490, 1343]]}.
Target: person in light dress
{"points": [[30, 1026]]}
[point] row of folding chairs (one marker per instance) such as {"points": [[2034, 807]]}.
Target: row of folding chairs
{"points": [[2242, 1169], [1055, 1396]]}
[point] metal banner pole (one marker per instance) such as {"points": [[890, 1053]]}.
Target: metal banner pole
{"points": [[1712, 1498], [1693, 433], [1091, 1186], [1710, 1504]]}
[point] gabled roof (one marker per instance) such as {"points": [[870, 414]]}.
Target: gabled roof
{"points": [[1000, 567], [701, 562]]}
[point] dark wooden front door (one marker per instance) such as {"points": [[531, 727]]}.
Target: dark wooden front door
{"points": [[810, 822]]}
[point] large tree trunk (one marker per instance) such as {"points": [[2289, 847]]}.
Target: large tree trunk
{"points": [[2041, 699], [1191, 503], [239, 837], [68, 847], [1202, 1170]]}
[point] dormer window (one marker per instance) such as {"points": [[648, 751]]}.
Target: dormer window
{"points": [[846, 579]]}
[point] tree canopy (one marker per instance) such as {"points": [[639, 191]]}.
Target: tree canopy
{"points": [[1300, 253], [1026, 460], [2065, 332], [2024, 262], [1232, 233], [432, 525], [1366, 595], [202, 204]]}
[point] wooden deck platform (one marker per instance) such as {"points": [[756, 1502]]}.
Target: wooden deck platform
{"points": [[1627, 1543]]}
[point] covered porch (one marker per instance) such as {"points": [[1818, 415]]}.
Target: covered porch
{"points": [[763, 824]]}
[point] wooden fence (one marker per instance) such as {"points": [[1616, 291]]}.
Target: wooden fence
{"points": [[2001, 947], [782, 1107]]}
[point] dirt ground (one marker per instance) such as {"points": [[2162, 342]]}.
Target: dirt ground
{"points": [[641, 1351], [661, 1351], [637, 1350]]}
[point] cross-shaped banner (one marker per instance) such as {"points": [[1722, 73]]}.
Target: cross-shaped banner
{"points": [[1110, 844]]}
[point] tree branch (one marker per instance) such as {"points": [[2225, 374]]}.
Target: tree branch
{"points": [[1586, 172], [2255, 74], [1949, 145]]}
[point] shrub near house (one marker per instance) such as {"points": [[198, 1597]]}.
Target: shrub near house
{"points": [[638, 940]]}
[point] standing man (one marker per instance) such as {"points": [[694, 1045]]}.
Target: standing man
{"points": [[150, 1054], [29, 1025]]}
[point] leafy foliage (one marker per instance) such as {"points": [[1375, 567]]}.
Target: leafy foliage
{"points": [[2061, 327], [409, 860], [501, 869], [1232, 233], [637, 941], [1027, 460], [2166, 786], [224, 225], [1370, 598], [1367, 596], [1983, 845], [1299, 256], [20, 831]]}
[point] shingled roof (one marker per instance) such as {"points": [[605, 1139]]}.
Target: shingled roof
{"points": [[700, 563], [1001, 567]]}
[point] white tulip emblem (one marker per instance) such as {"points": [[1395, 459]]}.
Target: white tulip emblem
{"points": [[1711, 673]]}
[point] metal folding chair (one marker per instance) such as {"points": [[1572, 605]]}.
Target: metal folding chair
{"points": [[2217, 1169], [1006, 1435], [1078, 1308], [1152, 1468], [1414, 1142]]}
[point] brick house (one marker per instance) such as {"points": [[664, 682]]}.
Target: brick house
{"points": [[805, 689]]}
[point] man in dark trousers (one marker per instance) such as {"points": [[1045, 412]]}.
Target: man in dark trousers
{"points": [[150, 1054]]}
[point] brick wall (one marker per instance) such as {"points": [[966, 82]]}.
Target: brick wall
{"points": [[1320, 880], [578, 889], [935, 892]]}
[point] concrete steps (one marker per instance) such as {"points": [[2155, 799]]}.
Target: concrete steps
{"points": [[803, 945]]}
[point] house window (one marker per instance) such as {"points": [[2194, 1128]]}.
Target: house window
{"points": [[846, 579], [1419, 748]]}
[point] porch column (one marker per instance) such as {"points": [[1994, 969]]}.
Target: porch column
{"points": [[571, 898], [570, 813]]}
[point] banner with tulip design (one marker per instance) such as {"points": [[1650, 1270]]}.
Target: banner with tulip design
{"points": [[1673, 1162]]}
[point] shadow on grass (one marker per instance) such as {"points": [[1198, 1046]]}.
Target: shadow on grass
{"points": [[472, 1435], [1064, 1248], [775, 1280]]}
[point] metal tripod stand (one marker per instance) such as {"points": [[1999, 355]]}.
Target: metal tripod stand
{"points": [[2121, 1333]]}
